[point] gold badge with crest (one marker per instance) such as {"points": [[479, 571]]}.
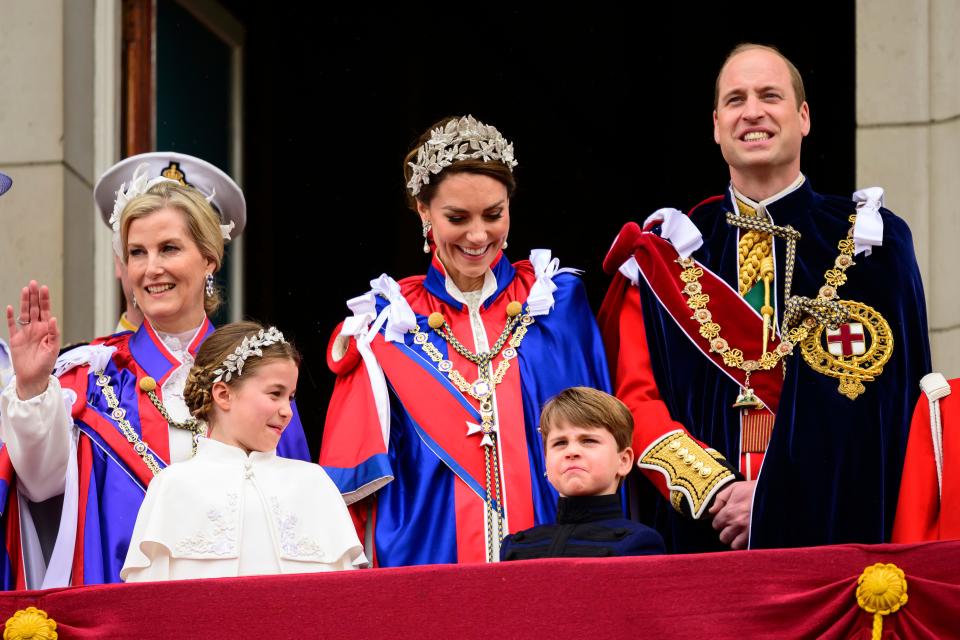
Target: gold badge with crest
{"points": [[842, 339], [855, 352]]}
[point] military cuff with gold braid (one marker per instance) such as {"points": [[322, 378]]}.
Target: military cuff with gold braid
{"points": [[694, 474]]}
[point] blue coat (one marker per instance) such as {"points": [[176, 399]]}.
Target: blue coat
{"points": [[587, 527]]}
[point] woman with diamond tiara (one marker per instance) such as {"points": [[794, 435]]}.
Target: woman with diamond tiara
{"points": [[236, 508], [432, 429], [112, 415]]}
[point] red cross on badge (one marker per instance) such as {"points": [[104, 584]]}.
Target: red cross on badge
{"points": [[846, 340]]}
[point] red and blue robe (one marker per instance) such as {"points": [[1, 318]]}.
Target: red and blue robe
{"points": [[832, 467], [113, 478], [426, 487]]}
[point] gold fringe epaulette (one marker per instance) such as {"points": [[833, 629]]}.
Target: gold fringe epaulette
{"points": [[694, 474]]}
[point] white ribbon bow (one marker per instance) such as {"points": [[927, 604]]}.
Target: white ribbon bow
{"points": [[400, 318], [631, 270], [677, 228], [359, 327], [868, 229], [540, 301]]}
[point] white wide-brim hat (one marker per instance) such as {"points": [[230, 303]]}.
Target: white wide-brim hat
{"points": [[215, 185]]}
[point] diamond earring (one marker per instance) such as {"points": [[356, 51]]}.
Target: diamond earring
{"points": [[426, 232], [209, 285]]}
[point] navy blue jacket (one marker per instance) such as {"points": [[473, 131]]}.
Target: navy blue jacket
{"points": [[587, 527]]}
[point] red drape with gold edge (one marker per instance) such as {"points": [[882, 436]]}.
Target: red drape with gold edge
{"points": [[798, 593]]}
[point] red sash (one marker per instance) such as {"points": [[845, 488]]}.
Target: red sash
{"points": [[741, 324]]}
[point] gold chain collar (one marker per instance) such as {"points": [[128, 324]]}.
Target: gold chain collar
{"points": [[824, 310], [197, 428], [733, 357], [483, 387]]}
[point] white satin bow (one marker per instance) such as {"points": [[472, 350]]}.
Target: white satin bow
{"points": [[399, 316], [540, 301], [363, 326], [868, 229], [678, 229]]}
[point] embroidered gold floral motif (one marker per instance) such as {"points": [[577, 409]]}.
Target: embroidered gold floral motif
{"points": [[698, 301], [693, 473], [835, 277], [804, 320], [711, 330], [733, 358]]}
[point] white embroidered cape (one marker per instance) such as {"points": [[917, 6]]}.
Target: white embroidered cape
{"points": [[225, 513]]}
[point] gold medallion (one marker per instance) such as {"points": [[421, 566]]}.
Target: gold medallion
{"points": [[854, 352]]}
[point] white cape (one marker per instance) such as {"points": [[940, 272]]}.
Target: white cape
{"points": [[225, 513]]}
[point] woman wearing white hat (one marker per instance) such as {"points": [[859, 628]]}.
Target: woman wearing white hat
{"points": [[113, 413], [440, 378]]}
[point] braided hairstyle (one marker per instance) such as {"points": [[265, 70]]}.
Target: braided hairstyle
{"points": [[197, 392]]}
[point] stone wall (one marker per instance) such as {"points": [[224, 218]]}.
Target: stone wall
{"points": [[908, 141]]}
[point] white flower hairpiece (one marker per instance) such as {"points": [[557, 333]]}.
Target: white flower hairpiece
{"points": [[139, 185], [463, 139], [251, 346]]}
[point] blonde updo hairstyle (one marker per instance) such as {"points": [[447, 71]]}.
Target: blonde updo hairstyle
{"points": [[203, 223], [197, 392]]}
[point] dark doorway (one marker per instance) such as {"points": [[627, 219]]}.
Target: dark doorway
{"points": [[609, 110]]}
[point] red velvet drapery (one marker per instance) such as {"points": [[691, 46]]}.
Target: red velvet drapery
{"points": [[799, 593]]}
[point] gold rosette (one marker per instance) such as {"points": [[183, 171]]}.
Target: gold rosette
{"points": [[881, 590], [30, 624]]}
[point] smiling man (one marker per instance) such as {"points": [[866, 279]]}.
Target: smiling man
{"points": [[769, 344]]}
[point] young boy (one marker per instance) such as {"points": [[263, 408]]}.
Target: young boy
{"points": [[586, 435]]}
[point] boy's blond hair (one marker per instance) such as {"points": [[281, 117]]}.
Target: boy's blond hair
{"points": [[587, 407]]}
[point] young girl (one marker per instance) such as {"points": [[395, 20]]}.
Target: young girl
{"points": [[236, 508]]}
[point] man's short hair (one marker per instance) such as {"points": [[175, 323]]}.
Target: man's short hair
{"points": [[586, 407], [795, 78]]}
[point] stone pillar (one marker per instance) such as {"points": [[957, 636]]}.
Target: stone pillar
{"points": [[48, 104], [32, 153], [908, 141]]}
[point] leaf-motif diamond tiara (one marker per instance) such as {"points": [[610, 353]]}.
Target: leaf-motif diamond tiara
{"points": [[251, 346], [463, 139]]}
